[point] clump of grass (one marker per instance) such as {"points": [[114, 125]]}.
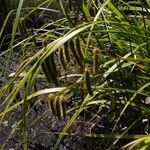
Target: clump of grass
{"points": [[110, 91]]}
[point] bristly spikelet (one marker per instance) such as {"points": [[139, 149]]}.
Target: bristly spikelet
{"points": [[57, 105], [63, 109], [53, 65], [60, 105], [22, 28], [53, 105], [78, 48], [51, 69], [95, 60], [58, 108], [61, 58], [88, 82], [74, 52], [66, 51], [46, 72]]}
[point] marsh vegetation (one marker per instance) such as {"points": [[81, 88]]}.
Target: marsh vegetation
{"points": [[75, 74]]}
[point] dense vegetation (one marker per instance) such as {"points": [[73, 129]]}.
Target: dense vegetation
{"points": [[86, 62]]}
